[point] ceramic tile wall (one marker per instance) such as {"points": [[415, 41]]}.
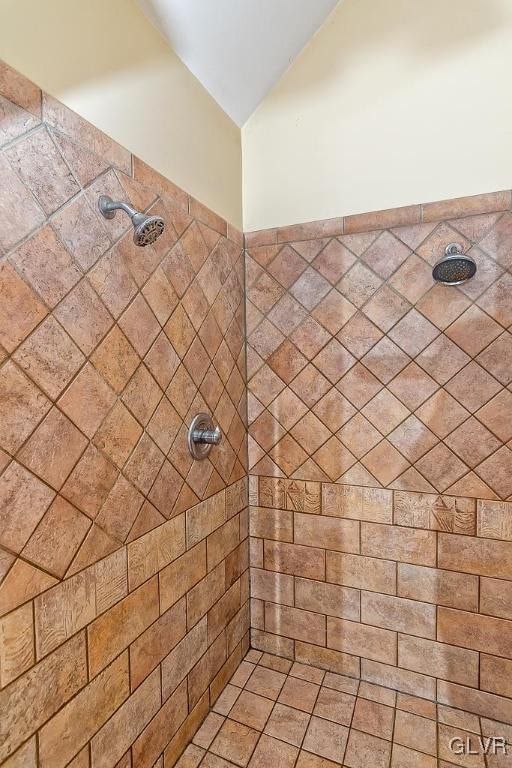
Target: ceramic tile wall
{"points": [[363, 371], [380, 457], [123, 564]]}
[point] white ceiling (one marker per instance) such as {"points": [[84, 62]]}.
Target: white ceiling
{"points": [[238, 49]]}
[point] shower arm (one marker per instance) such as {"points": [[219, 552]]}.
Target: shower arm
{"points": [[108, 207]]}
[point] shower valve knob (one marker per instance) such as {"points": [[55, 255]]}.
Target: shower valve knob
{"points": [[202, 435]]}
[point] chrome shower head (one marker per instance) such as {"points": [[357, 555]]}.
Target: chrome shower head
{"points": [[146, 228], [455, 268]]}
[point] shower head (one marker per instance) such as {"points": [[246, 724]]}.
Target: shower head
{"points": [[455, 268], [146, 228]]}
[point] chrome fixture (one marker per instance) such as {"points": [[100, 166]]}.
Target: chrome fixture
{"points": [[202, 434], [147, 228], [456, 267]]}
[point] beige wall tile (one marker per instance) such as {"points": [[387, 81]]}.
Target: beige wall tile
{"points": [[319, 531], [71, 728], [332, 600], [358, 639], [397, 543], [496, 598], [361, 572], [117, 735], [180, 576], [156, 642], [327, 658], [398, 614], [155, 737], [470, 630], [438, 660], [295, 623], [476, 555], [433, 585], [180, 661], [273, 524], [222, 541], [495, 675], [114, 630], [155, 550], [32, 699], [399, 679], [201, 597], [17, 652], [295, 560]]}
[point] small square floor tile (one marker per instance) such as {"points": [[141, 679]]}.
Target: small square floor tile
{"points": [[226, 699], [235, 742], [415, 732], [299, 694], [364, 750], [341, 683], [275, 662], [305, 672], [402, 757], [266, 682], [287, 724], [335, 705], [252, 710], [377, 693], [372, 717], [309, 760], [271, 752], [191, 757], [208, 731], [253, 656], [326, 739]]}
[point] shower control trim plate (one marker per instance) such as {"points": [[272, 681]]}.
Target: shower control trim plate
{"points": [[202, 435]]}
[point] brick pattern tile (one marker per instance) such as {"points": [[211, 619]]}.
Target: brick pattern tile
{"points": [[421, 369]]}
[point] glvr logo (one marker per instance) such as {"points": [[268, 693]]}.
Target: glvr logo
{"points": [[478, 745]]}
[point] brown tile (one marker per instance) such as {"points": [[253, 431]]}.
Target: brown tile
{"points": [[403, 757], [480, 633], [209, 729], [36, 696], [385, 360], [495, 598], [81, 231], [47, 266], [350, 637], [235, 742], [22, 583], [57, 538], [23, 501], [22, 407], [386, 308], [118, 733], [20, 310], [295, 623], [415, 732], [133, 615], [431, 585], [361, 572], [71, 728], [475, 555], [307, 672], [90, 481], [287, 724], [148, 650], [398, 679], [270, 750], [142, 394], [299, 694], [310, 230], [473, 330], [326, 739], [295, 560], [118, 434], [67, 446], [266, 682], [438, 660], [394, 217], [308, 760], [156, 549], [64, 610], [84, 317], [372, 717], [17, 653], [115, 359], [334, 705], [251, 710], [112, 280], [20, 212], [50, 356], [330, 533], [327, 598], [139, 325], [87, 400]]}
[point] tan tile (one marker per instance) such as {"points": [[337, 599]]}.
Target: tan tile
{"points": [[133, 614], [398, 679], [87, 400], [334, 705], [299, 694], [21, 310], [20, 212], [372, 717], [180, 576], [481, 633], [438, 660], [183, 657], [307, 672], [155, 550], [25, 757], [148, 650], [295, 623], [57, 538], [475, 555], [23, 501], [251, 710], [90, 481], [72, 727], [446, 734], [201, 597], [84, 317], [270, 750], [403, 757], [295, 560], [235, 742], [352, 637], [311, 230], [287, 724], [341, 683], [118, 733], [191, 757], [209, 729], [118, 434], [327, 598], [275, 587], [63, 610], [160, 730], [115, 359], [308, 760], [50, 355], [22, 583], [377, 693], [431, 585], [23, 406], [47, 266], [338, 534], [67, 446], [17, 653], [399, 543], [80, 229], [415, 732], [266, 682], [326, 739], [36, 696]]}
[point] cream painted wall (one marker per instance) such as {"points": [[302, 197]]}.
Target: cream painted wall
{"points": [[105, 60], [393, 102]]}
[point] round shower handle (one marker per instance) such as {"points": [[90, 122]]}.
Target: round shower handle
{"points": [[202, 435]]}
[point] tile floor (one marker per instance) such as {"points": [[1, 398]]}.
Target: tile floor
{"points": [[279, 714]]}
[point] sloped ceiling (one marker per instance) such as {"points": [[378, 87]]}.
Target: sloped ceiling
{"points": [[238, 49]]}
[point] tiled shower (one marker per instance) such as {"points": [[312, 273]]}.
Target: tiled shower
{"points": [[336, 575]]}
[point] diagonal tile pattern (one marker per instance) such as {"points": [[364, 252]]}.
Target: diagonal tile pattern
{"points": [[408, 380], [109, 349]]}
